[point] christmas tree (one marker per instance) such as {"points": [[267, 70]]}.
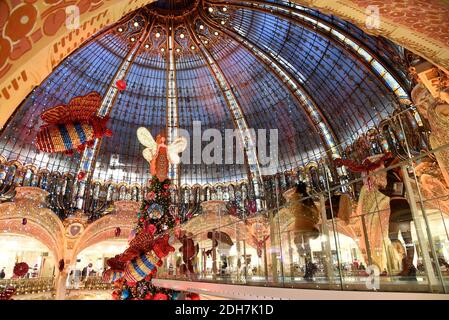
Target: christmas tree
{"points": [[135, 267]]}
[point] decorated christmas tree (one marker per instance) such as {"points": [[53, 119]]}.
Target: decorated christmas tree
{"points": [[132, 271]]}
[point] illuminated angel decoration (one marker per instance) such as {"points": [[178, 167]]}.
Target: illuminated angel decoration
{"points": [[158, 154]]}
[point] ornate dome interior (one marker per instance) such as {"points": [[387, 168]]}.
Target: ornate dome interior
{"points": [[319, 80]]}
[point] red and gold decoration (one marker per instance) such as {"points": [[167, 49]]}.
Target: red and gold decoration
{"points": [[73, 126], [121, 84]]}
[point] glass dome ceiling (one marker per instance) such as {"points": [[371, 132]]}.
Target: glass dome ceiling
{"points": [[319, 80]]}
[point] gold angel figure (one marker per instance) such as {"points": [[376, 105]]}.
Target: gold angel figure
{"points": [[158, 154]]}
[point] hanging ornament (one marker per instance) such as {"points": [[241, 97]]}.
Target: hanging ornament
{"points": [[81, 175], [160, 296], [150, 196], [24, 221], [118, 231], [125, 294], [155, 211], [121, 85], [20, 269], [148, 296], [73, 126], [150, 228]]}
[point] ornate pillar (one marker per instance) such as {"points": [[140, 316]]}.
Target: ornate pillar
{"points": [[172, 101], [60, 285]]}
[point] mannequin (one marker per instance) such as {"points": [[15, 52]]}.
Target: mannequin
{"points": [[306, 218], [400, 218], [390, 184]]}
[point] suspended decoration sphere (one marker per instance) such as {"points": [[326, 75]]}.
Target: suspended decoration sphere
{"points": [[81, 175], [121, 85], [118, 231], [24, 221]]}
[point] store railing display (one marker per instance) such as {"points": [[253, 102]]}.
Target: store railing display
{"points": [[385, 230], [26, 286]]}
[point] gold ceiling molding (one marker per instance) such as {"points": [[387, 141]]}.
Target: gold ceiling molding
{"points": [[35, 38], [420, 26]]}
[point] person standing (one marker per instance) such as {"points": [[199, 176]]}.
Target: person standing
{"points": [[2, 274]]}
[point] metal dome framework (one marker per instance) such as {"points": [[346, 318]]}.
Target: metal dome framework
{"points": [[235, 64]]}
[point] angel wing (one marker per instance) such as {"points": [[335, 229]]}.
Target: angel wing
{"points": [[144, 136], [178, 146]]}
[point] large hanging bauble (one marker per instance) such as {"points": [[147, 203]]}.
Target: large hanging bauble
{"points": [[121, 85], [24, 221], [81, 175]]}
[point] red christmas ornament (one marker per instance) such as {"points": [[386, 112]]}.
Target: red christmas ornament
{"points": [[108, 133], [160, 296], [24, 221], [20, 269], [81, 175], [148, 296], [166, 186], [116, 295], [118, 231], [193, 296], [121, 85], [150, 229]]}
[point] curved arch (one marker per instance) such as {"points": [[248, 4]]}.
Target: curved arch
{"points": [[104, 228], [42, 223]]}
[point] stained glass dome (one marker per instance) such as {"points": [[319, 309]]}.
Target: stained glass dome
{"points": [[318, 80]]}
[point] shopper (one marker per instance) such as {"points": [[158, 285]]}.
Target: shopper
{"points": [[2, 274]]}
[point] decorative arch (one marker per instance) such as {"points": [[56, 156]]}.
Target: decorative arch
{"points": [[104, 228], [42, 223]]}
